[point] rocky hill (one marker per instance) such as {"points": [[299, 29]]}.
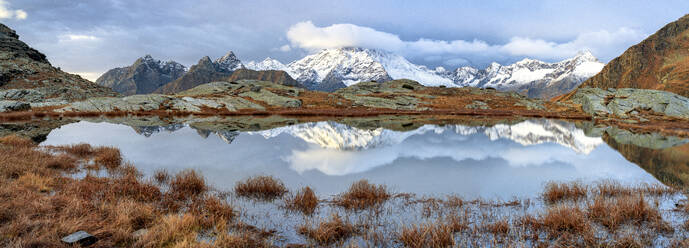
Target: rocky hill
{"points": [[275, 76], [144, 76], [27, 76], [659, 62], [205, 71]]}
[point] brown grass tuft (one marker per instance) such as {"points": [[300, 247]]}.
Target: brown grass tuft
{"points": [[555, 192], [109, 157], [612, 213], [305, 201], [329, 232], [161, 176], [498, 228], [362, 195], [261, 187], [187, 184], [427, 235], [79, 150]]}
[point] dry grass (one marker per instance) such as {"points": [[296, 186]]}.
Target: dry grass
{"points": [[555, 192], [498, 228], [362, 195], [305, 201], [109, 157], [161, 176], [40, 202], [427, 235], [612, 213], [187, 184], [261, 187], [329, 232]]}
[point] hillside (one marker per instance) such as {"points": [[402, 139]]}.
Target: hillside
{"points": [[275, 76], [27, 75], [659, 62]]}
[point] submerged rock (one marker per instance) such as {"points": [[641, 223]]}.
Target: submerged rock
{"points": [[81, 238]]}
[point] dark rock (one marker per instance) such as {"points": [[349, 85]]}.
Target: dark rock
{"points": [[255, 88], [81, 238]]}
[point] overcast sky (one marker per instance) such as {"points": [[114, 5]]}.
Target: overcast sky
{"points": [[91, 36]]}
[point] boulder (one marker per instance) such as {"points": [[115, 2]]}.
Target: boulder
{"points": [[628, 102], [81, 238], [477, 105]]}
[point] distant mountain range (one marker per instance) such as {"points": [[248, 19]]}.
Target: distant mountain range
{"points": [[331, 69]]}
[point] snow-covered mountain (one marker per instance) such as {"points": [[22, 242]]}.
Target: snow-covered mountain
{"points": [[531, 77], [330, 69], [267, 64], [229, 62]]}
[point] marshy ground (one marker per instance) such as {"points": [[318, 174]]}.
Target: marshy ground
{"points": [[49, 192]]}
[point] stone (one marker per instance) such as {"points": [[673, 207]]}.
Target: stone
{"points": [[140, 232], [81, 238], [255, 88], [477, 105], [627, 102], [9, 105]]}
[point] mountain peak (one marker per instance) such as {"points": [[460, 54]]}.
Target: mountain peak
{"points": [[585, 55], [229, 62]]}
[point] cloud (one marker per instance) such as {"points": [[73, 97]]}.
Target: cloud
{"points": [[285, 48], [8, 13], [78, 37], [604, 44]]}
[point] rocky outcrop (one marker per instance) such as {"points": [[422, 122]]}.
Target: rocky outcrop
{"points": [[205, 71], [144, 76], [24, 68], [625, 103], [660, 62], [278, 77]]}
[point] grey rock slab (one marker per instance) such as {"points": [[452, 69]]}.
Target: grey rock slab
{"points": [[81, 238], [9, 105]]}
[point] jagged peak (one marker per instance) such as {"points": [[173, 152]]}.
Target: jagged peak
{"points": [[229, 61], [585, 55]]}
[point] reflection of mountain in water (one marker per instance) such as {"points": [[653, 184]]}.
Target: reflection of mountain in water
{"points": [[333, 135], [150, 130]]}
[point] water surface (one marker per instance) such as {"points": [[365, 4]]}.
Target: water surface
{"points": [[501, 161]]}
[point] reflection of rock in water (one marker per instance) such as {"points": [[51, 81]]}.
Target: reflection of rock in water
{"points": [[150, 130], [36, 131], [670, 164], [227, 136]]}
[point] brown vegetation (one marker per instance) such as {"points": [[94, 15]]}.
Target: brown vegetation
{"points": [[427, 235], [362, 195], [305, 201], [555, 192], [328, 232], [261, 187]]}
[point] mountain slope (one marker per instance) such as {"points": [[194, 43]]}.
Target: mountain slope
{"points": [[659, 62], [278, 77], [205, 71], [25, 69], [143, 77]]}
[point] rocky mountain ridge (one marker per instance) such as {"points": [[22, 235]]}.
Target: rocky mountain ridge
{"points": [[660, 62], [144, 76], [28, 78]]}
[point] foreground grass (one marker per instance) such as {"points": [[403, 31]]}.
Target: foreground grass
{"points": [[43, 199]]}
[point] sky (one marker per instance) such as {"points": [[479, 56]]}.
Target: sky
{"points": [[91, 37]]}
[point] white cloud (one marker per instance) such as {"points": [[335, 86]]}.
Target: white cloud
{"points": [[7, 13], [604, 44], [78, 37], [285, 48]]}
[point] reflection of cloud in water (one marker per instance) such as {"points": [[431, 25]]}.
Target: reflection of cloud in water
{"points": [[458, 147]]}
